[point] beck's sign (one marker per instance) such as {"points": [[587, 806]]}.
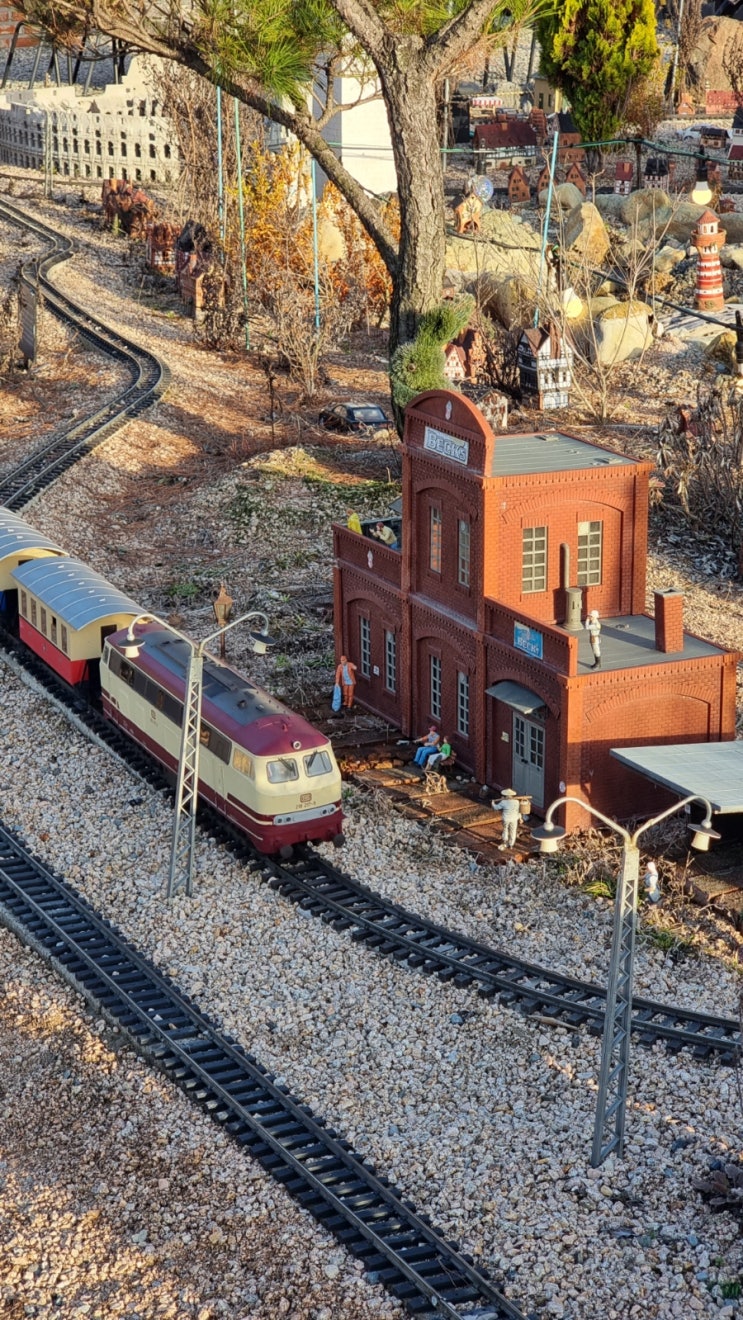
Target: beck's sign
{"points": [[438, 442]]}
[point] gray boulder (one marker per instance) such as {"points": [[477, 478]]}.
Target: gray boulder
{"points": [[621, 333]]}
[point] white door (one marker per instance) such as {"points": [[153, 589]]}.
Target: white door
{"points": [[528, 759]]}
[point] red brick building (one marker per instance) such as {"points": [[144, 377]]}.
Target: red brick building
{"points": [[470, 623]]}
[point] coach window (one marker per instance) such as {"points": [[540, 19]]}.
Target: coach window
{"points": [[33, 612], [534, 559], [54, 631], [43, 620], [282, 771], [434, 540], [24, 604], [64, 639]]}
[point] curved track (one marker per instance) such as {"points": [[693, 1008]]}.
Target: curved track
{"points": [[422, 945], [338, 1187], [149, 376]]}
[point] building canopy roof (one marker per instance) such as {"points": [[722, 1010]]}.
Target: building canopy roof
{"points": [[710, 770], [515, 695], [75, 593]]}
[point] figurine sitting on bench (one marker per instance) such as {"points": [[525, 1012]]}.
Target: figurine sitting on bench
{"points": [[435, 779]]}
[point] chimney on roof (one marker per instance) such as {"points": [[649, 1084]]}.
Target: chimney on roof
{"points": [[669, 620]]}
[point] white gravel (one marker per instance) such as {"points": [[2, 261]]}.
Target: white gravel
{"points": [[484, 1118]]}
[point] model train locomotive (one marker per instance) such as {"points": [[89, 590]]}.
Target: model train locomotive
{"points": [[262, 766]]}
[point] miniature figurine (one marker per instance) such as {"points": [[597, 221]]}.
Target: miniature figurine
{"points": [[345, 676], [385, 534], [510, 810], [593, 625], [468, 214], [429, 745], [353, 522], [651, 884]]}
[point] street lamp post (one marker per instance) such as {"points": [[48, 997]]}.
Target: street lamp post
{"points": [[611, 1103], [182, 849]]}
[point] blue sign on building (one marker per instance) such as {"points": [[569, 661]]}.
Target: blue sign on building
{"points": [[528, 639]]}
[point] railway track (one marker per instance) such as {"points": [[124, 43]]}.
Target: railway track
{"points": [[341, 1189], [408, 939], [149, 376]]}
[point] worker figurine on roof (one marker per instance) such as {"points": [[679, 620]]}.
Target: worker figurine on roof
{"points": [[510, 809], [593, 626]]}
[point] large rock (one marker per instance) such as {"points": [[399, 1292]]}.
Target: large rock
{"points": [[505, 247], [610, 205], [644, 204], [722, 349], [732, 256], [733, 226], [511, 300], [565, 197], [621, 333], [668, 257], [684, 219], [585, 234]]}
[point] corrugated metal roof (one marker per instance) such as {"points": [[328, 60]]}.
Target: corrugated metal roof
{"points": [[711, 770], [550, 451], [15, 534], [75, 593], [513, 694]]}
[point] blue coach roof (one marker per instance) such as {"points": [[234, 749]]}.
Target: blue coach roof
{"points": [[16, 535], [75, 593]]}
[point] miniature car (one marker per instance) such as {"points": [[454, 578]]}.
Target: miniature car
{"points": [[353, 417]]}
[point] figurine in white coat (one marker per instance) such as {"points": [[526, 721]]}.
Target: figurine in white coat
{"points": [[593, 627]]}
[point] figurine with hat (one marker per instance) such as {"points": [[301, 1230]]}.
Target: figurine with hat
{"points": [[593, 627], [510, 809]]}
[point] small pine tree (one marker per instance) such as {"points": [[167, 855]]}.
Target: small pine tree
{"points": [[419, 366], [594, 51]]}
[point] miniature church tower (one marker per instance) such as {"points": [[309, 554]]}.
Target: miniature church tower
{"points": [[708, 238], [545, 366]]}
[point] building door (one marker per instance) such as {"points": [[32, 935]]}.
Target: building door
{"points": [[528, 759]]}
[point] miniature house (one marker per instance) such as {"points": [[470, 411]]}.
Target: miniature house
{"points": [[656, 172], [569, 147], [546, 97], [503, 144], [708, 238], [624, 173], [543, 182], [574, 175], [545, 366], [538, 121], [454, 363], [518, 186], [476, 624]]}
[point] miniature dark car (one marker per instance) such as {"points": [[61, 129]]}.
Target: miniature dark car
{"points": [[353, 417]]}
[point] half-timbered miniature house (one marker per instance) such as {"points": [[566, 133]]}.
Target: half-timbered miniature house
{"points": [[545, 366], [656, 172], [503, 144]]}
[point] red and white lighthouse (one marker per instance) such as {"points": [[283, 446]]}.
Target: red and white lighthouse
{"points": [[708, 238]]}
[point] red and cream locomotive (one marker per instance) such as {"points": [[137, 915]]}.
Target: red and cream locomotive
{"points": [[260, 765]]}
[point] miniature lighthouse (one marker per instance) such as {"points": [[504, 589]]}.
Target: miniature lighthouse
{"points": [[708, 238]]}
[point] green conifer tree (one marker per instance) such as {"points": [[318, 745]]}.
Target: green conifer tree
{"points": [[594, 50]]}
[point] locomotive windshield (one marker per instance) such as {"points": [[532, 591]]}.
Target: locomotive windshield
{"points": [[281, 771], [318, 763]]}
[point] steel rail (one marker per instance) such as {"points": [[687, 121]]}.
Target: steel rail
{"points": [[405, 937], [149, 375], [341, 1189], [412, 940]]}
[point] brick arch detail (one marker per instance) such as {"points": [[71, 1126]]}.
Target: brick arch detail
{"points": [[515, 512], [618, 701], [464, 639]]}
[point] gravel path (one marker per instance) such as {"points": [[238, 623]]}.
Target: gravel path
{"points": [[483, 1117]]}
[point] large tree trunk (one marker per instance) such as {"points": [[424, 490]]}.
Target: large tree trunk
{"points": [[411, 107]]}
